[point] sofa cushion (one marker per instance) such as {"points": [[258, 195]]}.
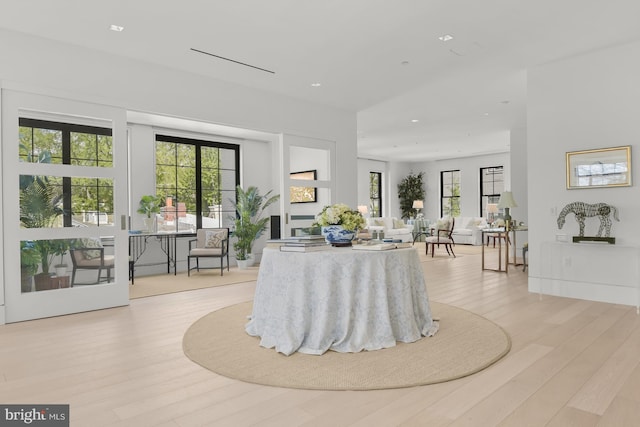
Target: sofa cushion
{"points": [[398, 223]]}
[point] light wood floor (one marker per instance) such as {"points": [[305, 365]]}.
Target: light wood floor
{"points": [[573, 363]]}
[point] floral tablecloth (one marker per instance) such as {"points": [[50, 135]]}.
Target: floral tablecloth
{"points": [[340, 299]]}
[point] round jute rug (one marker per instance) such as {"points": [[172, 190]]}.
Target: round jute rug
{"points": [[465, 344]]}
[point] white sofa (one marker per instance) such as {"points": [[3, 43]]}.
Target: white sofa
{"points": [[392, 228], [468, 230]]}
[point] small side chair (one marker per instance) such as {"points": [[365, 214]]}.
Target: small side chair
{"points": [[442, 237], [209, 243]]}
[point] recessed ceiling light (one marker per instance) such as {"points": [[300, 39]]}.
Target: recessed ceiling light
{"points": [[506, 101], [316, 84], [486, 114], [414, 120], [115, 27], [446, 37], [405, 63]]}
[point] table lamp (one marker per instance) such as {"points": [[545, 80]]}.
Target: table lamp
{"points": [[363, 210], [418, 205], [492, 210], [506, 202]]}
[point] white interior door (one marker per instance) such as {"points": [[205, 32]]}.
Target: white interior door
{"points": [[307, 180], [90, 189]]}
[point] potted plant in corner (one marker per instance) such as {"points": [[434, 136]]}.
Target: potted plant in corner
{"points": [[29, 263], [410, 188], [150, 206], [249, 222]]}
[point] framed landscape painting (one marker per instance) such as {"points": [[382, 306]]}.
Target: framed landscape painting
{"points": [[603, 167]]}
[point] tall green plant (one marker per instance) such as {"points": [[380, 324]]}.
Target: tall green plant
{"points": [[40, 208], [249, 223], [409, 189]]}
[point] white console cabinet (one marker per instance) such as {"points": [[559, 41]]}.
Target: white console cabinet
{"points": [[591, 271]]}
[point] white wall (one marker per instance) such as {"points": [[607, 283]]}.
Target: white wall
{"points": [[584, 102], [516, 178]]}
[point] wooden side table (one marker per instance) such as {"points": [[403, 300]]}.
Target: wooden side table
{"points": [[500, 234]]}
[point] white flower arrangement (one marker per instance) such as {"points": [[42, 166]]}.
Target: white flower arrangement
{"points": [[340, 214]]}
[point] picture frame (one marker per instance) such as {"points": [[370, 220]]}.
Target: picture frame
{"points": [[303, 194], [598, 168]]}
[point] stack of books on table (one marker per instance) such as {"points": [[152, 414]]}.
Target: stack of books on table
{"points": [[304, 244], [382, 246]]}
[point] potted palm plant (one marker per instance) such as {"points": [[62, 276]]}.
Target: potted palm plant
{"points": [[149, 206], [40, 207], [249, 221]]}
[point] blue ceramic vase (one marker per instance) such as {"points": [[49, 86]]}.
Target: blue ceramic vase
{"points": [[338, 236]]}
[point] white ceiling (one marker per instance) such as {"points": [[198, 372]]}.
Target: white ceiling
{"points": [[381, 58]]}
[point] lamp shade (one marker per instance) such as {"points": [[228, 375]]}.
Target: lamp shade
{"points": [[492, 208], [418, 204], [363, 209], [506, 200]]}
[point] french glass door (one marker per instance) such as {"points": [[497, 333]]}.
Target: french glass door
{"points": [[64, 184]]}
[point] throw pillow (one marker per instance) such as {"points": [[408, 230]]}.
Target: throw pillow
{"points": [[90, 242], [398, 223], [442, 224], [213, 239], [473, 223], [379, 222]]}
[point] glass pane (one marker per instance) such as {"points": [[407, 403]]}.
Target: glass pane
{"points": [[87, 149], [40, 202], [210, 158], [228, 180], [166, 178], [40, 145], [48, 264], [92, 201], [227, 158], [165, 153], [228, 201], [186, 155], [186, 177]]}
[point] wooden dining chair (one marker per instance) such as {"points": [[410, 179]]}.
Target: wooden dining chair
{"points": [[442, 237]]}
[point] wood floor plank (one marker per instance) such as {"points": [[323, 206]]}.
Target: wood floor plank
{"points": [[572, 417], [621, 412], [596, 395], [516, 399], [572, 363]]}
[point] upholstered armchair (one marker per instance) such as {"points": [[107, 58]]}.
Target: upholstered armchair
{"points": [[209, 243], [88, 254]]}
